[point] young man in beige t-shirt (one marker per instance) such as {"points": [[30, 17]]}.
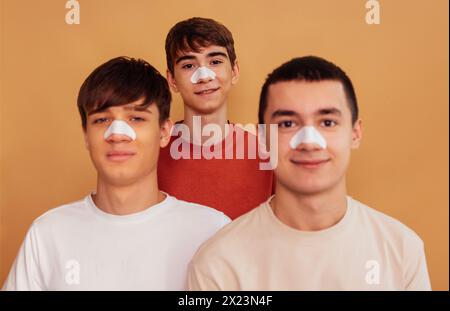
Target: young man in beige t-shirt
{"points": [[310, 235]]}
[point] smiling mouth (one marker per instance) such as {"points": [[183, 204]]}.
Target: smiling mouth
{"points": [[207, 91], [119, 156], [309, 163]]}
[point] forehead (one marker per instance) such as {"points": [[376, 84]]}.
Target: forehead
{"points": [[306, 98]]}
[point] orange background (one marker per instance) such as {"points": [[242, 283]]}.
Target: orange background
{"points": [[399, 68]]}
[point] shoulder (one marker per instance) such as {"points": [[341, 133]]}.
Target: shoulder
{"points": [[197, 212], [391, 229], [244, 130], [61, 213], [55, 221]]}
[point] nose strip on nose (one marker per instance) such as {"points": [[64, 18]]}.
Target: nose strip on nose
{"points": [[120, 127], [308, 135], [202, 73]]}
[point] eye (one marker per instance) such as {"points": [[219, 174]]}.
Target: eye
{"points": [[286, 124], [99, 120], [329, 123], [216, 62], [187, 66], [137, 119]]}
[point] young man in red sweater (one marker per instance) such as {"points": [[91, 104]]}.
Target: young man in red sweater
{"points": [[209, 160]]}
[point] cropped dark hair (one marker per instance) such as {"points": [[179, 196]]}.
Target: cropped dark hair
{"points": [[309, 69]]}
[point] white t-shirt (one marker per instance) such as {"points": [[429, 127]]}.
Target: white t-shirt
{"points": [[365, 250], [79, 247]]}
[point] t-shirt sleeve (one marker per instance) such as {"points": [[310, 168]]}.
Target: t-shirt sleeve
{"points": [[25, 273], [416, 272]]}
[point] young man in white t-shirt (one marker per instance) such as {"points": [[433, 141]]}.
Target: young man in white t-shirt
{"points": [[311, 235], [127, 235]]}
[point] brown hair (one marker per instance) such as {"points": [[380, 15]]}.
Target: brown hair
{"points": [[195, 33], [120, 81]]}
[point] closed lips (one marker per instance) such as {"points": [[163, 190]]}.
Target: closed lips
{"points": [[120, 153], [206, 91], [310, 162]]}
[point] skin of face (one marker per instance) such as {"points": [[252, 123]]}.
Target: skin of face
{"points": [[309, 169], [119, 160], [208, 95]]}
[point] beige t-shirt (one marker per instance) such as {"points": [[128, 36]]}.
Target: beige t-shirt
{"points": [[365, 250]]}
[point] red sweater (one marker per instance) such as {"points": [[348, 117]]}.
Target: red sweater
{"points": [[232, 186]]}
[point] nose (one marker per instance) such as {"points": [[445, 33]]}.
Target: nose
{"points": [[202, 74], [308, 147], [118, 138], [204, 79], [119, 131]]}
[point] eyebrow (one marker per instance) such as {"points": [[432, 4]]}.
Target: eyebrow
{"points": [[214, 54], [209, 55], [283, 113], [184, 57], [128, 108], [327, 111], [289, 113], [138, 108]]}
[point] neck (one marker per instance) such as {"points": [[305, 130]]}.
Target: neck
{"points": [[310, 212], [217, 117], [127, 199]]}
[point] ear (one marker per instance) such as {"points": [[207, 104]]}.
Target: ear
{"points": [[166, 130], [171, 81], [235, 73], [356, 134]]}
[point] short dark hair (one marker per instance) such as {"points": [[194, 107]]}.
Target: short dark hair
{"points": [[120, 81], [196, 33], [309, 69]]}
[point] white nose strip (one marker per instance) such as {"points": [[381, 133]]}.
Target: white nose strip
{"points": [[308, 135], [202, 73], [120, 127]]}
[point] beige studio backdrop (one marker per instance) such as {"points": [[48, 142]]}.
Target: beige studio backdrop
{"points": [[399, 68]]}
